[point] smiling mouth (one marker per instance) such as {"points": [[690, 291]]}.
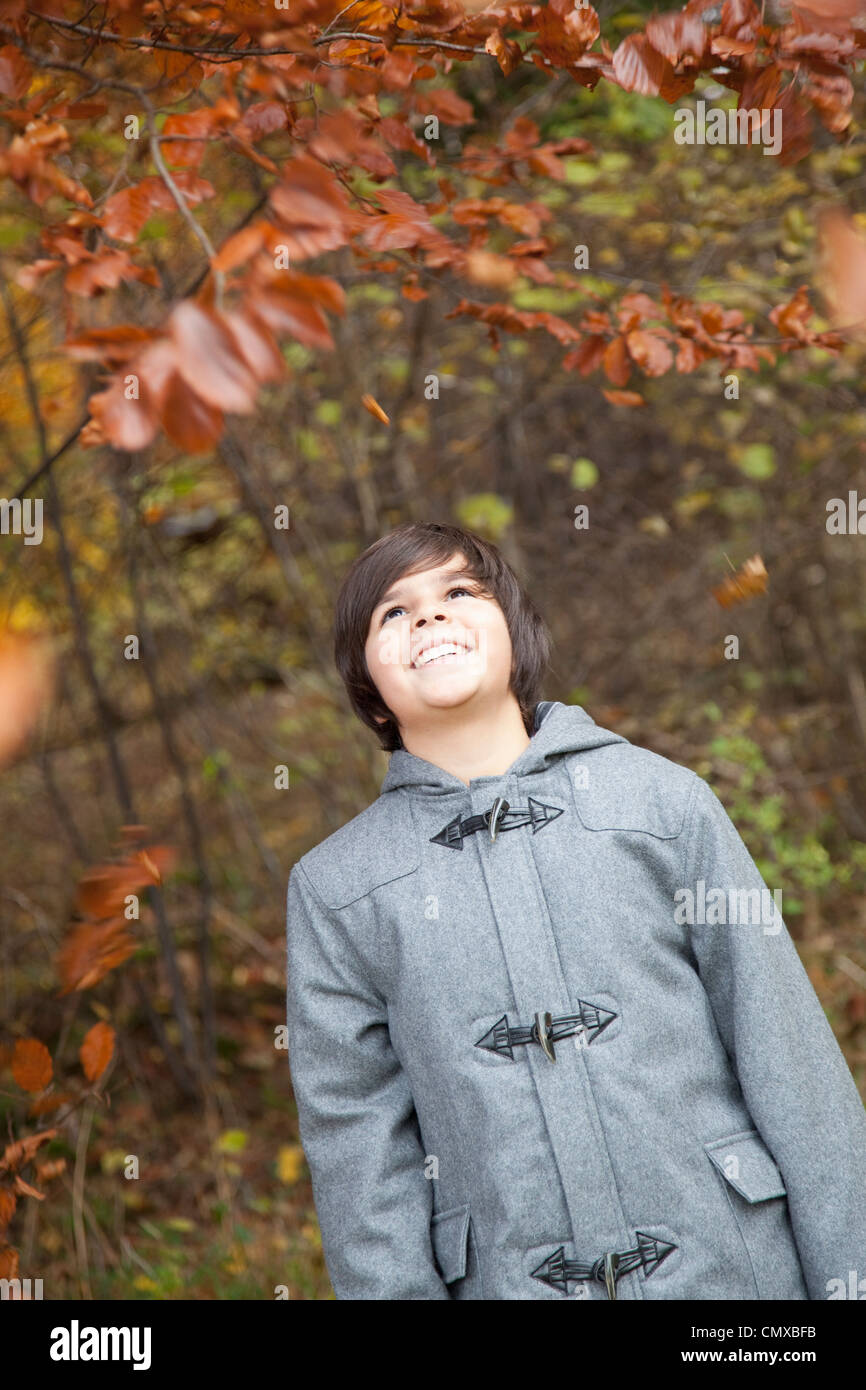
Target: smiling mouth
{"points": [[439, 654]]}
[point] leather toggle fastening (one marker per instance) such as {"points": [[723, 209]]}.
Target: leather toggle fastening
{"points": [[500, 817], [543, 1031], [557, 1271], [495, 814], [546, 1030]]}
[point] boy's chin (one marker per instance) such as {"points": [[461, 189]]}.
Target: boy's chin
{"points": [[448, 696]]}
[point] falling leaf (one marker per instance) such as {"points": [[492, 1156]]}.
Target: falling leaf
{"points": [[26, 681], [103, 890], [96, 1050], [90, 951], [370, 403], [31, 1064], [843, 256], [629, 398], [749, 581]]}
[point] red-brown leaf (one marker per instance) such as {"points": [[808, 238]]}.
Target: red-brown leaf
{"points": [[126, 212], [15, 72], [638, 67], [675, 35], [257, 344], [650, 352], [507, 52], [31, 1064], [96, 1050], [26, 1190], [311, 206], [191, 423], [285, 313], [90, 951], [586, 356], [447, 105], [20, 1151], [8, 1203], [616, 361], [208, 359]]}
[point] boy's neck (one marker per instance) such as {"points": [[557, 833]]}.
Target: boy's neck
{"points": [[477, 743]]}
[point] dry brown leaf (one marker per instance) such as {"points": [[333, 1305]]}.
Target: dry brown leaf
{"points": [[748, 582], [370, 403]]}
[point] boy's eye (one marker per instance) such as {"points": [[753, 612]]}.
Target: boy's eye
{"points": [[398, 607]]}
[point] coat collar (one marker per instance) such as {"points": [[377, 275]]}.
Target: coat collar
{"points": [[559, 729]]}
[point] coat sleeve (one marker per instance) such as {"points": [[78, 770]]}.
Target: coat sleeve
{"points": [[356, 1115], [793, 1076]]}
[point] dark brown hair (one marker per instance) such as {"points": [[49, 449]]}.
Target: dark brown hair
{"points": [[407, 550]]}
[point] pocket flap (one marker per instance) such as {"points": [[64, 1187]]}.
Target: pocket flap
{"points": [[649, 811], [744, 1160], [449, 1231]]}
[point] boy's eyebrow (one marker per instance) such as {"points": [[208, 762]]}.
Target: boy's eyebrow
{"points": [[445, 579]]}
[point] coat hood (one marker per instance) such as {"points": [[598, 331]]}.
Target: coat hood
{"points": [[559, 730]]}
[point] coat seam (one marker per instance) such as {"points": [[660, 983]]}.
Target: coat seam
{"points": [[691, 807], [587, 1079], [726, 1186], [345, 938]]}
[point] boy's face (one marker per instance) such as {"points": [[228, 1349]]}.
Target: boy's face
{"points": [[436, 642]]}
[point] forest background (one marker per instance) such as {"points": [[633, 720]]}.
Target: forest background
{"points": [[258, 310]]}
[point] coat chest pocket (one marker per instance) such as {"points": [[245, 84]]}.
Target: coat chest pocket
{"points": [[758, 1197], [597, 809], [454, 1247]]}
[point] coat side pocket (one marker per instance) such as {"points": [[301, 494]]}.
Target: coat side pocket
{"points": [[449, 1234], [758, 1199], [745, 1162]]}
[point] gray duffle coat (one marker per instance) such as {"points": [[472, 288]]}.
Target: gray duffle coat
{"points": [[526, 1068]]}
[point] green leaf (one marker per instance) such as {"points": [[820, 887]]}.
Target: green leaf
{"points": [[486, 513], [756, 460], [232, 1141], [328, 412], [583, 473]]}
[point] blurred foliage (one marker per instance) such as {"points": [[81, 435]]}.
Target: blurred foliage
{"points": [[680, 493]]}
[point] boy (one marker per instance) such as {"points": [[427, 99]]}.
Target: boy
{"points": [[542, 1044]]}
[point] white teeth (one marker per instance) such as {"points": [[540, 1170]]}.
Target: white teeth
{"points": [[442, 649]]}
